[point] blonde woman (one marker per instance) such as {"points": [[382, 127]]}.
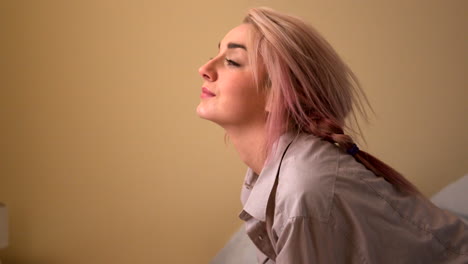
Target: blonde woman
{"points": [[310, 195]]}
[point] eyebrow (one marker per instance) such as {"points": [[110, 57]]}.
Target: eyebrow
{"points": [[232, 45]]}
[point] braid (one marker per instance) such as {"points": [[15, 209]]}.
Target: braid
{"points": [[332, 132]]}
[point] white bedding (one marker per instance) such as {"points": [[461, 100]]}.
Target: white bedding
{"points": [[454, 198]]}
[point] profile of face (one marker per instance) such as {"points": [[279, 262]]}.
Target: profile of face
{"points": [[229, 96]]}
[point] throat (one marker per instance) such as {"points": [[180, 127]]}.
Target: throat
{"points": [[250, 146]]}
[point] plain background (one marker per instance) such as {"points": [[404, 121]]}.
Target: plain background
{"points": [[103, 159]]}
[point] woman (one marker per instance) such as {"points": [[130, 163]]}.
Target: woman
{"points": [[282, 94]]}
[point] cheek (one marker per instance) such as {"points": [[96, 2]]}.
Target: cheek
{"points": [[241, 84], [239, 92], [243, 100]]}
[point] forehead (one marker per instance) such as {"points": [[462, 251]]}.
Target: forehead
{"points": [[239, 34]]}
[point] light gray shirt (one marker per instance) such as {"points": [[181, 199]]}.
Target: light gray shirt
{"points": [[328, 208]]}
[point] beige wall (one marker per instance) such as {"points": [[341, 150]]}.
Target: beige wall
{"points": [[103, 160]]}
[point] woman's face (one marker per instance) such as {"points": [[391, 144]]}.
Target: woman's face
{"points": [[229, 96]]}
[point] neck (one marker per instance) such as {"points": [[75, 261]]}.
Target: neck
{"points": [[249, 143]]}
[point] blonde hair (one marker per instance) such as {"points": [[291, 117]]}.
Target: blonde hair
{"points": [[310, 89]]}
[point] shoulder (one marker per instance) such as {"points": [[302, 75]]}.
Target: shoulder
{"points": [[308, 175], [320, 186]]}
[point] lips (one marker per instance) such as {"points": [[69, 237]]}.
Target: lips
{"points": [[206, 93]]}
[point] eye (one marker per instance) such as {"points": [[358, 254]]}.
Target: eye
{"points": [[232, 63]]}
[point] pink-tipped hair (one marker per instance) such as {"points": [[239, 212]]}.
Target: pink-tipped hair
{"points": [[310, 89]]}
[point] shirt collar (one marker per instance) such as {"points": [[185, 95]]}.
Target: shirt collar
{"points": [[257, 201]]}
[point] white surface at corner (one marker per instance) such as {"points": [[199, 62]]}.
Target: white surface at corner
{"points": [[454, 197]]}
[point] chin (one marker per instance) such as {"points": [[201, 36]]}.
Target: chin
{"points": [[203, 113], [206, 115]]}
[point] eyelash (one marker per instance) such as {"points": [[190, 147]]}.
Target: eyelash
{"points": [[229, 62]]}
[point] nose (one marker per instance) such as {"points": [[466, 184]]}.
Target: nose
{"points": [[208, 71]]}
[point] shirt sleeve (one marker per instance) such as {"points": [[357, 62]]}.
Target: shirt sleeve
{"points": [[308, 240]]}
